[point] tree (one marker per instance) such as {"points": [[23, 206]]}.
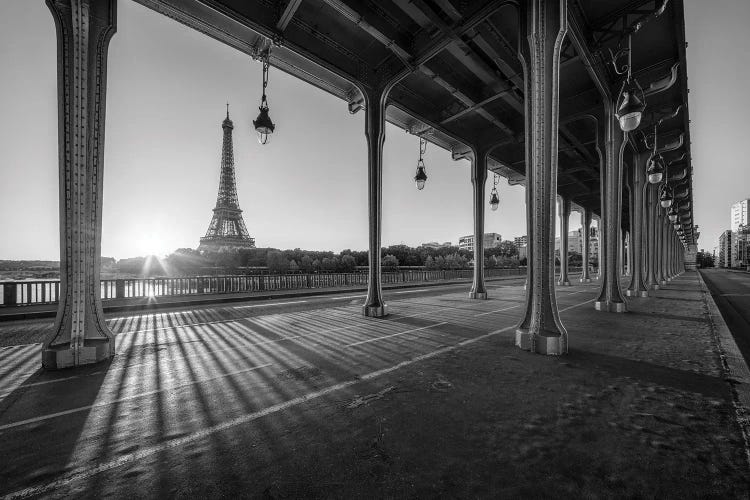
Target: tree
{"points": [[316, 265], [440, 262], [293, 266], [306, 264], [390, 262], [704, 259], [507, 248], [276, 262], [430, 263], [348, 263]]}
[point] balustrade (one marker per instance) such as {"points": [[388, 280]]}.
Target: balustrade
{"points": [[21, 293]]}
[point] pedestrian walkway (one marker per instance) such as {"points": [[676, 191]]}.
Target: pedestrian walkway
{"points": [[434, 400]]}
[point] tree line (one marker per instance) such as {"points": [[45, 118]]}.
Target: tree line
{"points": [[188, 261]]}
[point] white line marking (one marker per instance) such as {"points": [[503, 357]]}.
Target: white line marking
{"points": [[271, 304], [127, 398], [420, 328], [82, 473], [348, 297], [414, 291], [396, 334], [577, 305]]}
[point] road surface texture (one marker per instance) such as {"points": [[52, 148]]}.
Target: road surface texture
{"points": [[731, 292], [306, 398]]}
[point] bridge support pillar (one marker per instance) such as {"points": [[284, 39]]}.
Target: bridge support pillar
{"points": [[585, 228], [689, 256], [652, 202], [375, 133], [543, 26], [478, 181], [661, 246], [637, 287], [84, 28], [623, 252], [564, 226], [610, 298]]}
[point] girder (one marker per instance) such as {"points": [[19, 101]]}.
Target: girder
{"points": [[467, 53]]}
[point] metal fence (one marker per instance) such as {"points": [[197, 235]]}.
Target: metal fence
{"points": [[20, 293]]}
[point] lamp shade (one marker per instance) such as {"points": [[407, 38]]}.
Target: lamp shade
{"points": [[655, 168], [421, 177], [665, 198], [263, 125], [630, 110], [494, 199]]}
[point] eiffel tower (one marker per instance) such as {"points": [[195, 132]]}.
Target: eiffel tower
{"points": [[227, 230]]}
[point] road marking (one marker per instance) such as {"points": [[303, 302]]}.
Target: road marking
{"points": [[82, 473], [348, 297], [414, 291], [126, 398], [420, 328], [271, 304], [396, 334], [576, 305]]}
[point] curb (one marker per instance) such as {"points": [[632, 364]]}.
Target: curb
{"points": [[736, 371], [218, 298]]}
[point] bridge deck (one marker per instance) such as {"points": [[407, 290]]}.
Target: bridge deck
{"points": [[309, 398]]}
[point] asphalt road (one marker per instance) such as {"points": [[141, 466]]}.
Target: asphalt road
{"points": [[180, 374], [731, 292]]}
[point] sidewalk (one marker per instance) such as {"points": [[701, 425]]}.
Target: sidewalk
{"points": [[434, 401]]}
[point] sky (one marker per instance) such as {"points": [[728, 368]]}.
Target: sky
{"points": [[167, 89]]}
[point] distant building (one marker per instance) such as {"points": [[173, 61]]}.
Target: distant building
{"points": [[725, 249], [574, 242], [491, 240], [740, 252], [740, 215], [435, 244], [521, 241], [734, 248]]}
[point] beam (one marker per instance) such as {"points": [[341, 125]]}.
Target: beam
{"points": [[364, 25], [288, 14]]}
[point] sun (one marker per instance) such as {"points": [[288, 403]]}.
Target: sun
{"points": [[149, 243]]}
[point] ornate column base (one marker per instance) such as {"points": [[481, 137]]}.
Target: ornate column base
{"points": [[478, 295], [62, 356], [552, 344], [633, 293], [563, 283], [607, 306], [375, 311], [585, 280]]}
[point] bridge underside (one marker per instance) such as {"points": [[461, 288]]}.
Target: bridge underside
{"points": [[523, 89]]}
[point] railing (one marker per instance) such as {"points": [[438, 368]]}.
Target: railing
{"points": [[21, 293]]}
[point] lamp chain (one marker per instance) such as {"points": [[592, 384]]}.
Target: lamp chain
{"points": [[263, 99]]}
